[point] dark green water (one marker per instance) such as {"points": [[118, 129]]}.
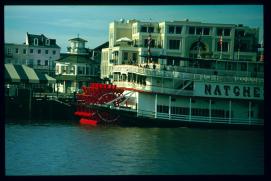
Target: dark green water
{"points": [[68, 148]]}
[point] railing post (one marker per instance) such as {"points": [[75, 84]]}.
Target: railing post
{"points": [[210, 111], [230, 112], [249, 113], [190, 110], [155, 108], [169, 107]]}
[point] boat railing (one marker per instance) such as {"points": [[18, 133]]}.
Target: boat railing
{"points": [[201, 119], [199, 74], [153, 88]]}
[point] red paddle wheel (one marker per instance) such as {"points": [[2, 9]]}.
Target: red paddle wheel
{"points": [[98, 95]]}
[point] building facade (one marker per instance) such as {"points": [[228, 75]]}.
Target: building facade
{"points": [[128, 42], [78, 67], [38, 52]]}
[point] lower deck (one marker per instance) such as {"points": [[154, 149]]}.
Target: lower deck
{"points": [[198, 109]]}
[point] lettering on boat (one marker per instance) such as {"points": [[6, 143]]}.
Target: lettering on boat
{"points": [[237, 91]]}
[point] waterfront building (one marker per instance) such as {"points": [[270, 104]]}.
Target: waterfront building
{"points": [[128, 42], [38, 52], [78, 67]]}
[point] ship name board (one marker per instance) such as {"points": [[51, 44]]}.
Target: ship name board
{"points": [[228, 90], [225, 90]]}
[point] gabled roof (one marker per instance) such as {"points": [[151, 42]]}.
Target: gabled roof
{"points": [[41, 40]]}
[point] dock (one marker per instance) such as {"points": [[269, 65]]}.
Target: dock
{"points": [[41, 106]]}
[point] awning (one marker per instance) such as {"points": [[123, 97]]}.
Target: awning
{"points": [[25, 74]]}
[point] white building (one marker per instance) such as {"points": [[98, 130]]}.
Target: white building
{"points": [[76, 67], [128, 41], [38, 52]]}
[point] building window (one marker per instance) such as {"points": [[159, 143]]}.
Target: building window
{"points": [[87, 70], [57, 69], [35, 41], [219, 32], [225, 46], [150, 29], [162, 109], [80, 70], [192, 30], [54, 52], [63, 70], [171, 29], [16, 50], [30, 63], [31, 50], [178, 29], [134, 57], [72, 69], [206, 31], [125, 56], [199, 31], [39, 51], [46, 62], [46, 51], [38, 62], [227, 32], [243, 67], [143, 29], [174, 44], [9, 51], [24, 51], [47, 42]]}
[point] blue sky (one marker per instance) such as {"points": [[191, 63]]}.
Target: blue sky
{"points": [[91, 22]]}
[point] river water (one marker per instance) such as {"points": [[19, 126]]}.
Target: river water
{"points": [[68, 148]]}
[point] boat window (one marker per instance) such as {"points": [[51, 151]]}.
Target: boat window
{"points": [[174, 44]]}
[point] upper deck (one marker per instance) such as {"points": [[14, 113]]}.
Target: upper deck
{"points": [[214, 80], [193, 73]]}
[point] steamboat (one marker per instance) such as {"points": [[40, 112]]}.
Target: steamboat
{"points": [[177, 73]]}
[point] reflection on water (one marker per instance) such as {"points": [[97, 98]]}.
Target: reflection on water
{"points": [[68, 148]]}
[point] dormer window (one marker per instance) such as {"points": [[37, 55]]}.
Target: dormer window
{"points": [[47, 42], [36, 43]]}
